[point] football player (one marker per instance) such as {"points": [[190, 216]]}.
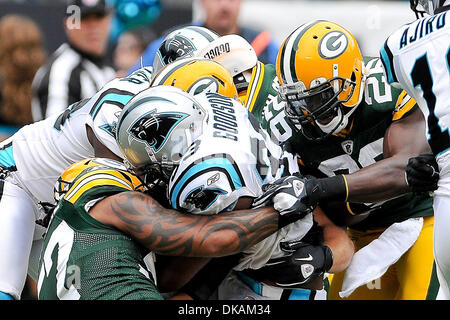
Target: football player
{"points": [[182, 42], [351, 130], [33, 158], [417, 58], [101, 232], [101, 229], [222, 170]]}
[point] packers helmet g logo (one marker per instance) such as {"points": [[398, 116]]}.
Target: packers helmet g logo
{"points": [[333, 44], [154, 128], [206, 84]]}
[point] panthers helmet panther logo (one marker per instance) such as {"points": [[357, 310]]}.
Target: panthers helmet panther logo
{"points": [[176, 47], [154, 128]]}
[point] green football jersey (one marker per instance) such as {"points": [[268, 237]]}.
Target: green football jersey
{"points": [[84, 259], [262, 89], [360, 147]]}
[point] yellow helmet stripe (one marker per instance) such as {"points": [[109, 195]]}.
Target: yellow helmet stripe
{"points": [[255, 86], [404, 104]]}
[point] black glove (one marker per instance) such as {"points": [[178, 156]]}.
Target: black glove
{"points": [[422, 173], [302, 264], [285, 194]]}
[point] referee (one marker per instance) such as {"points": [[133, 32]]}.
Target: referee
{"points": [[77, 69]]}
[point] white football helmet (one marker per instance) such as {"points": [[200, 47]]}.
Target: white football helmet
{"points": [[234, 53], [156, 128], [182, 43]]}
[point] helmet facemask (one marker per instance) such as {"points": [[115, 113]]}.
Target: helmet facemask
{"points": [[319, 111], [423, 7], [153, 174], [158, 172], [156, 128]]}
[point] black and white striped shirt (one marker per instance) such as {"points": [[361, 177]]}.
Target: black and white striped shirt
{"points": [[69, 76]]}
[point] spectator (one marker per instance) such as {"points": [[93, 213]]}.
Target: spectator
{"points": [[221, 16], [21, 54], [77, 69], [129, 48]]}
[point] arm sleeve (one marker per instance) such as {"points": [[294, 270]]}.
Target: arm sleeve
{"points": [[387, 59], [103, 127], [404, 106], [388, 62]]}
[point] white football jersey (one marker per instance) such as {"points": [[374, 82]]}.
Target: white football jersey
{"points": [[417, 58], [233, 158], [43, 150]]}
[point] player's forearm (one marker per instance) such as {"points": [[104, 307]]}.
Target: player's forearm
{"points": [[170, 232], [337, 240], [341, 246], [381, 181]]}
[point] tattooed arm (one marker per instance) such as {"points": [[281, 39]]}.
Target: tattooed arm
{"points": [[171, 232]]}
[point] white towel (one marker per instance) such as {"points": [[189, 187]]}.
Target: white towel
{"points": [[372, 261]]}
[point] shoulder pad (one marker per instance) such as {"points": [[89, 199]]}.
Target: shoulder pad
{"points": [[404, 106]]}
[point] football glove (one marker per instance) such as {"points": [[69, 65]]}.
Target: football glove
{"points": [[422, 173], [325, 189], [302, 264], [286, 195]]}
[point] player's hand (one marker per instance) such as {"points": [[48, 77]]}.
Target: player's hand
{"points": [[286, 195], [302, 264], [422, 173]]}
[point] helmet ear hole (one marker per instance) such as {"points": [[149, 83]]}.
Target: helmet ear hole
{"points": [[353, 77]]}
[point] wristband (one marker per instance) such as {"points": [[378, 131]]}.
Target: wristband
{"points": [[331, 189]]}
